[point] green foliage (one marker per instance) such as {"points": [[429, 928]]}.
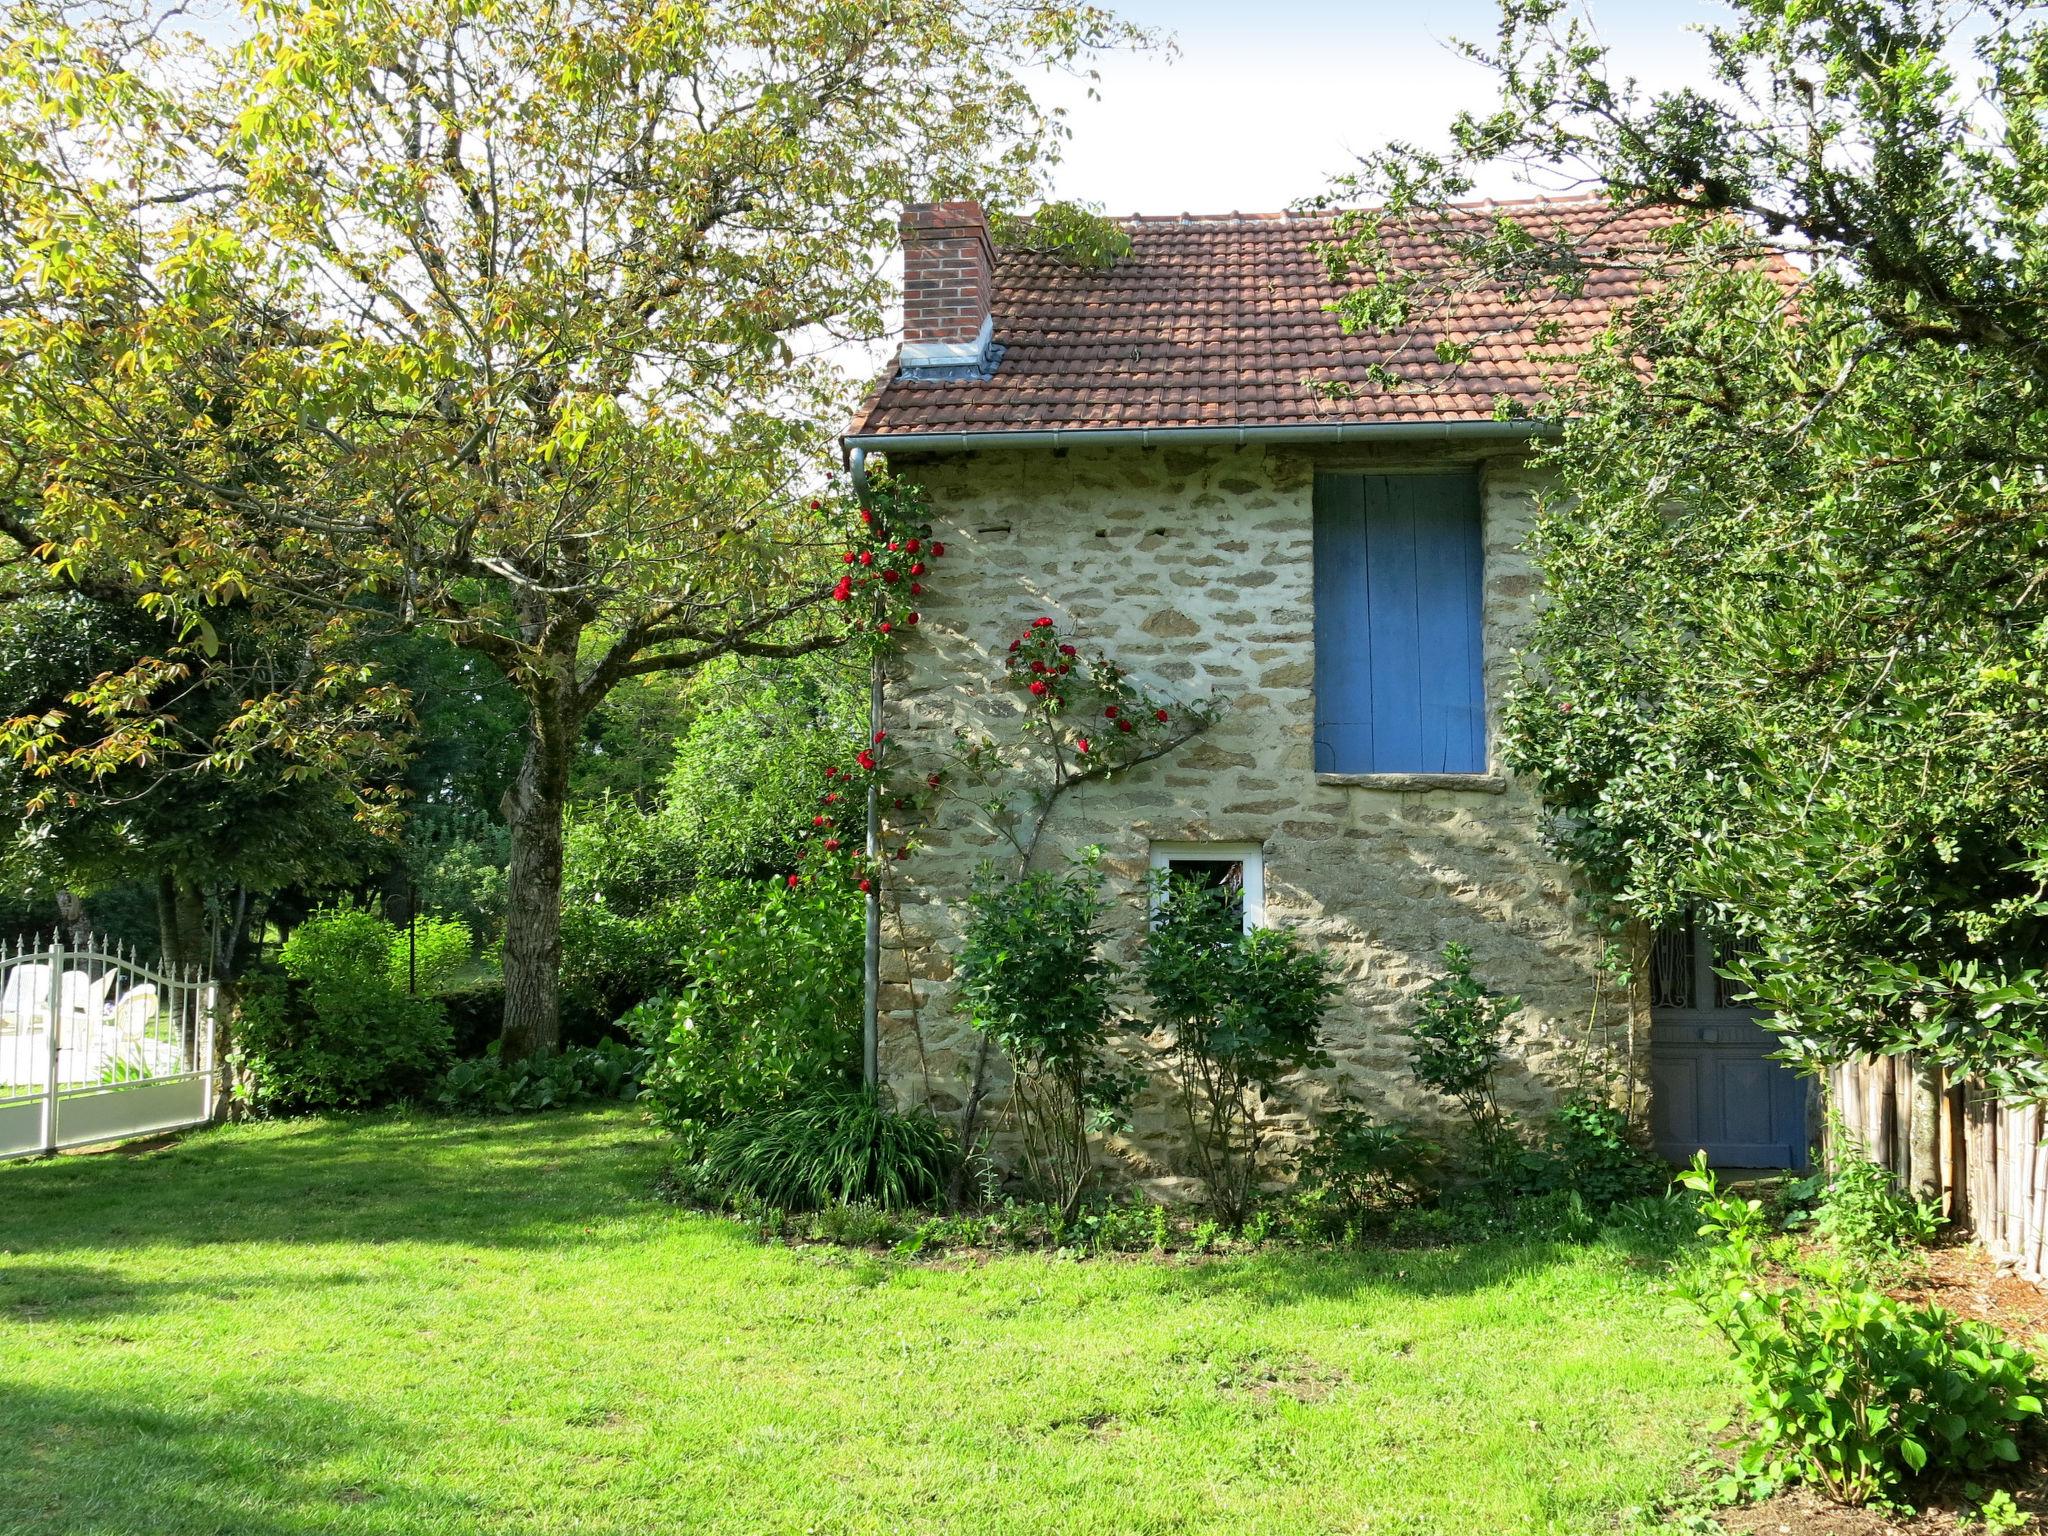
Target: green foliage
{"points": [[830, 1146], [1460, 1037], [475, 1010], [488, 1085], [1871, 1223], [344, 1033], [1073, 234], [770, 1009], [1356, 1170], [428, 954], [1791, 668], [1245, 1009], [1851, 1389], [1035, 981]]}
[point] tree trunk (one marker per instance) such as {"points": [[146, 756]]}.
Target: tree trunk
{"points": [[1925, 1152], [533, 809], [181, 921]]}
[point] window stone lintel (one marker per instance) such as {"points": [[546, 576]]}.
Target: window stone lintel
{"points": [[1479, 783]]}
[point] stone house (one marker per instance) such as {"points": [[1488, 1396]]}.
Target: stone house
{"points": [[1186, 463]]}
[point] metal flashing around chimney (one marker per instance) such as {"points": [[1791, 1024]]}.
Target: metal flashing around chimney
{"points": [[952, 359]]}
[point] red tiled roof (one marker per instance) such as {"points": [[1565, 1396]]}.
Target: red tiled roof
{"points": [[1220, 322]]}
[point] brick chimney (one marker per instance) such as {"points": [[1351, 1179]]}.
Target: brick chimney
{"points": [[948, 283]]}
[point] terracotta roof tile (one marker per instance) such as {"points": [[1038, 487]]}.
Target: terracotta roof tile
{"points": [[1223, 322]]}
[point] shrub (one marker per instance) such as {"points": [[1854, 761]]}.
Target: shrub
{"points": [[488, 1085], [1587, 1146], [427, 955], [770, 1009], [1034, 980], [1246, 1009], [344, 1034], [476, 1015], [1460, 1038], [831, 1146], [1871, 1223], [1852, 1389], [1356, 1170]]}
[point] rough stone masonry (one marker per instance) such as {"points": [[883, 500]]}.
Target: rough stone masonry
{"points": [[1192, 568]]}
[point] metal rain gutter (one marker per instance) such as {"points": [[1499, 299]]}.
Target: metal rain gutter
{"points": [[859, 445]]}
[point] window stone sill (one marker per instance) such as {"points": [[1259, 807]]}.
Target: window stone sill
{"points": [[1471, 783]]}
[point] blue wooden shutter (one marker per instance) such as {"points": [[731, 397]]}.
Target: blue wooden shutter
{"points": [[1399, 687]]}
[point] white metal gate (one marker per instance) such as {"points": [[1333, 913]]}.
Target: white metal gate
{"points": [[96, 1046]]}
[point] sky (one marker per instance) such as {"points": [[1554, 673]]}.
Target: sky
{"points": [[1266, 99]]}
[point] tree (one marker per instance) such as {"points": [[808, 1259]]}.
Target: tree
{"points": [[101, 799], [1792, 668], [525, 313]]}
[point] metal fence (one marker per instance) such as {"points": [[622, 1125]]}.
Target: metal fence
{"points": [[96, 1046]]}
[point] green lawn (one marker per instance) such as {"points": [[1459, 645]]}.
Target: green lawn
{"points": [[422, 1325]]}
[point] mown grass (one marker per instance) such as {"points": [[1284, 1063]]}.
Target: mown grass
{"points": [[413, 1325]]}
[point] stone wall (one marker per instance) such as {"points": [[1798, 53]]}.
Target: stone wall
{"points": [[1193, 569]]}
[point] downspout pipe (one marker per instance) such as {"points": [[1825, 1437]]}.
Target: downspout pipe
{"points": [[871, 970]]}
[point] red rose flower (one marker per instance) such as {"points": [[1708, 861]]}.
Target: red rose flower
{"points": [[831, 845], [795, 881], [894, 545], [932, 779], [867, 557], [1109, 713], [831, 773], [1038, 666], [1038, 688], [916, 588], [885, 626], [911, 617], [1159, 714], [1063, 669], [891, 577], [1081, 744], [833, 798], [1015, 643], [866, 759], [902, 853], [938, 550], [867, 517], [843, 591], [866, 885], [1068, 650], [847, 558], [819, 821], [1041, 623], [1123, 725], [816, 505], [917, 567], [910, 545]]}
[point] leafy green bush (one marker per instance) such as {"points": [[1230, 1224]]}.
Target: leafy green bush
{"points": [[1871, 1222], [1851, 1389], [476, 1014], [488, 1085], [770, 1010], [1461, 1037], [831, 1146], [427, 955], [1034, 980], [343, 1033], [1356, 1170], [1246, 1010]]}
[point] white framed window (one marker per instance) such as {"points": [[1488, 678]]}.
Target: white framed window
{"points": [[1236, 867]]}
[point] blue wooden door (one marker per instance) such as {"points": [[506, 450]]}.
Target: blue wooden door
{"points": [[1398, 580], [1714, 1086]]}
